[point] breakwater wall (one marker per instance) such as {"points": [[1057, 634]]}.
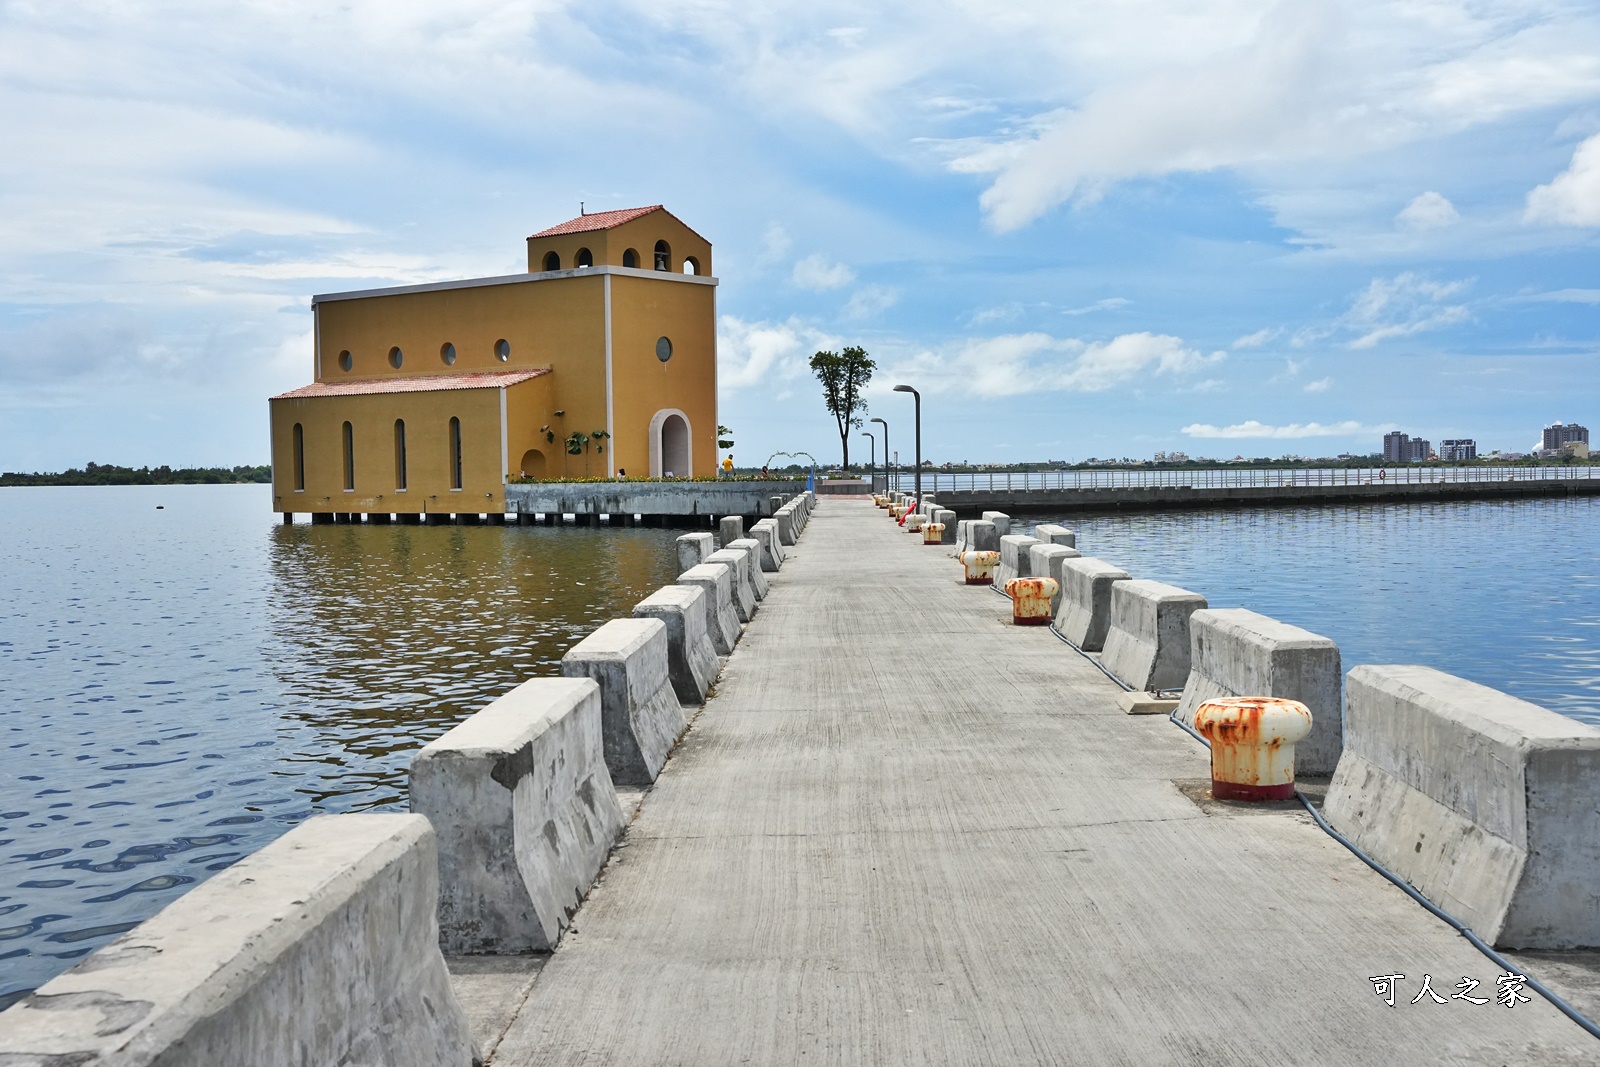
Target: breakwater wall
{"points": [[1036, 499], [1486, 804], [327, 946]]}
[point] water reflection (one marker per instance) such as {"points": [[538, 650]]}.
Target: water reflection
{"points": [[183, 685]]}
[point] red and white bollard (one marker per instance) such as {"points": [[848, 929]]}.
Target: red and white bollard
{"points": [[1252, 745], [1030, 600], [914, 522], [933, 533], [980, 567]]}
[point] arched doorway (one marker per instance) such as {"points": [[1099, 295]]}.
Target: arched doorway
{"points": [[670, 454], [533, 464]]}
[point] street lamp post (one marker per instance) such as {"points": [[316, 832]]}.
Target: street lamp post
{"points": [[917, 491], [889, 473], [872, 463]]}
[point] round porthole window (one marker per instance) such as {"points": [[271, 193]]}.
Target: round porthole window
{"points": [[664, 349], [396, 357], [345, 362], [448, 354], [502, 350]]}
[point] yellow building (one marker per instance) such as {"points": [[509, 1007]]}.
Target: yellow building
{"points": [[428, 398]]}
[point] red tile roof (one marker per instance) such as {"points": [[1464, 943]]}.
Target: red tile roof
{"points": [[421, 383], [598, 220]]}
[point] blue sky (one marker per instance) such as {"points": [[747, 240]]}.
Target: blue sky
{"points": [[1081, 229]]}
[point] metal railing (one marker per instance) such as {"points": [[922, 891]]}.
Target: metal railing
{"points": [[1226, 478]]}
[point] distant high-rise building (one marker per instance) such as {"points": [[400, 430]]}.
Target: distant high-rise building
{"points": [[1559, 436], [1458, 449], [1396, 447], [1421, 450]]}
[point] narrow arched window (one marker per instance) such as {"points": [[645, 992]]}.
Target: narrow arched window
{"points": [[349, 459], [552, 261], [585, 258], [299, 458], [691, 265], [455, 452], [630, 258], [663, 256], [400, 454]]}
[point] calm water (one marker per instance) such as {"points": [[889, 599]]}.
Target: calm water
{"points": [[183, 685], [1504, 593]]}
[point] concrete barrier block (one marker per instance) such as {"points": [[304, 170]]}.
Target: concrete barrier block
{"points": [[639, 711], [729, 529], [693, 549], [722, 619], [1002, 523], [766, 533], [1044, 561], [525, 813], [321, 948], [1238, 653], [1052, 534], [758, 578], [1147, 643], [946, 518], [691, 657], [1488, 805], [1014, 558], [1085, 612], [786, 526], [744, 597], [982, 536], [773, 504]]}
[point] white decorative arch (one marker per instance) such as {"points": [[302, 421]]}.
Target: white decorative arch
{"points": [[658, 456]]}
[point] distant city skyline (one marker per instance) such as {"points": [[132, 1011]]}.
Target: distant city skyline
{"points": [[1077, 230]]}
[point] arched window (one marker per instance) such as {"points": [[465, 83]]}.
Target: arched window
{"points": [[691, 265], [585, 258], [345, 362], [552, 261], [630, 258], [502, 350], [299, 458], [349, 459], [448, 354], [663, 256], [400, 455], [455, 452], [396, 357]]}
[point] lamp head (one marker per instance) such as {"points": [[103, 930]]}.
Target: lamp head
{"points": [[904, 389], [880, 420]]}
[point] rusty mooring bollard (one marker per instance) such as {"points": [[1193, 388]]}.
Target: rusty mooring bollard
{"points": [[933, 533], [980, 567], [1030, 600], [1252, 745], [914, 522]]}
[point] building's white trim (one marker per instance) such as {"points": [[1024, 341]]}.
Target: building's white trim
{"points": [[517, 279], [716, 411], [657, 460], [316, 344], [505, 442], [611, 453]]}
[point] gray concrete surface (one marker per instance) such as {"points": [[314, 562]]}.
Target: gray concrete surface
{"points": [[1001, 521], [1147, 643], [646, 498], [1489, 805], [640, 714], [1044, 561], [766, 533], [1053, 534], [722, 620], [833, 871], [758, 576], [1014, 558], [692, 662], [729, 529], [744, 594], [1085, 612], [786, 525], [321, 948], [983, 536], [524, 812], [1234, 652], [693, 548]]}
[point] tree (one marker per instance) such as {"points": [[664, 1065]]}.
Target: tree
{"points": [[844, 375]]}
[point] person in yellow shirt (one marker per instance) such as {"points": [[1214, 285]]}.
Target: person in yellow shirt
{"points": [[727, 466]]}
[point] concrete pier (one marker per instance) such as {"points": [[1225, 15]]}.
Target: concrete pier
{"points": [[834, 870]]}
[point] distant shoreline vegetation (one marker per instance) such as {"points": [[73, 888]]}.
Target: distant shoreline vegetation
{"points": [[111, 474]]}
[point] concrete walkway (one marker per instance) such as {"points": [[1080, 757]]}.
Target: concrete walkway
{"points": [[906, 832]]}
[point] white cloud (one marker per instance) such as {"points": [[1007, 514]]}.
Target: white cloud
{"points": [[870, 300], [1013, 364], [1570, 296], [1109, 304], [1319, 386], [1257, 339], [1429, 211], [1254, 430], [775, 245], [1002, 313], [1401, 306], [815, 273], [1573, 197], [755, 353]]}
